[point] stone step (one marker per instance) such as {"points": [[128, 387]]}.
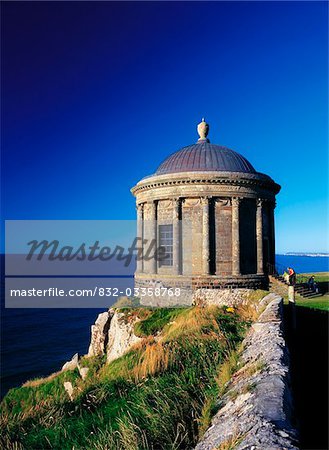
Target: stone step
{"points": [[312, 295], [302, 290]]}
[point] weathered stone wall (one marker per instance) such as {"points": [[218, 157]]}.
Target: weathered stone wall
{"points": [[223, 237], [202, 281], [223, 297], [256, 410], [192, 227]]}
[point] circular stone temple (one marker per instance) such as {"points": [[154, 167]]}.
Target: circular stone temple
{"points": [[211, 215]]}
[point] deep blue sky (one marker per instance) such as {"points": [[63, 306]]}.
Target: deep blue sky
{"points": [[96, 95]]}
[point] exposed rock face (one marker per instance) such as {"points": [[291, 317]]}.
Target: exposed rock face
{"points": [[113, 334], [99, 333], [121, 335], [69, 389], [256, 411], [83, 371], [71, 365]]}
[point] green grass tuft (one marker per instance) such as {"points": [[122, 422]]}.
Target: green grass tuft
{"points": [[158, 395], [156, 321]]}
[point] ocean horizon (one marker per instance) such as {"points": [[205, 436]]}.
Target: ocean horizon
{"points": [[303, 264], [37, 342]]}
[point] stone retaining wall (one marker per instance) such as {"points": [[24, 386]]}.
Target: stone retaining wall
{"points": [[193, 282], [256, 412]]}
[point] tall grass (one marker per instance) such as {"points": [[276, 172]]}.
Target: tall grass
{"points": [[157, 396], [156, 321]]}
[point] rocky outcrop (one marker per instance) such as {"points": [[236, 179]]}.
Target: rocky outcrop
{"points": [[72, 364], [121, 335], [113, 334], [69, 389], [83, 372], [256, 410], [99, 333]]}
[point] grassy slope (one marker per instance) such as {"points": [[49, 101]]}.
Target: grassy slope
{"points": [[159, 395], [317, 302], [319, 276]]}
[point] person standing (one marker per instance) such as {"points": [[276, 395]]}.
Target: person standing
{"points": [[292, 276]]}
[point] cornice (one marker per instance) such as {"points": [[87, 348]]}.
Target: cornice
{"points": [[206, 178]]}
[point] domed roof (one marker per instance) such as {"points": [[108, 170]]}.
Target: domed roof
{"points": [[204, 156]]}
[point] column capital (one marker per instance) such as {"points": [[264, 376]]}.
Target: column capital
{"points": [[236, 201], [140, 211], [222, 201], [176, 207], [259, 202], [205, 200], [152, 208]]}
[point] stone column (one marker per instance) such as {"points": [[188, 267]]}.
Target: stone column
{"points": [[272, 206], [205, 235], [150, 238], [259, 236], [235, 236], [139, 265], [176, 237], [153, 236]]}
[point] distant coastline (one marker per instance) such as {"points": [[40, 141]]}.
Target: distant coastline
{"points": [[309, 254]]}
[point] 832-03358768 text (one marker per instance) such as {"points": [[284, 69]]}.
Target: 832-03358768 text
{"points": [[97, 291]]}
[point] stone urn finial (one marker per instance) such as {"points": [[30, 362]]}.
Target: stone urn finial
{"points": [[203, 130]]}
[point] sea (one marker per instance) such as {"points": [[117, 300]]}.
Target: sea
{"points": [[37, 342]]}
